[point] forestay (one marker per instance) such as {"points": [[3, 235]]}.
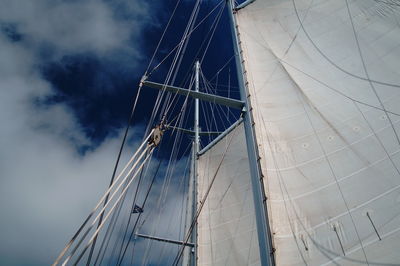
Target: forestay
{"points": [[324, 81], [226, 225]]}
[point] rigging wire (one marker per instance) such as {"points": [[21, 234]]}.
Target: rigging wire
{"points": [[112, 182], [132, 208], [175, 60], [209, 89], [178, 62], [201, 22], [181, 55], [107, 237], [175, 105], [212, 28], [113, 222], [137, 220], [116, 165], [202, 202], [223, 67], [106, 217], [211, 31], [218, 18], [130, 121], [113, 225], [179, 118], [162, 36], [140, 214], [180, 187], [99, 203], [164, 190]]}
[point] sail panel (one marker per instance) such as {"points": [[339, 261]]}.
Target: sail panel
{"points": [[226, 226], [324, 80]]}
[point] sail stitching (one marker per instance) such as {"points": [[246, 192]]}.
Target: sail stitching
{"points": [[367, 73]]}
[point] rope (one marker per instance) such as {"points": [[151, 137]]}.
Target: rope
{"points": [[105, 219], [116, 165], [165, 189], [131, 211], [107, 237], [202, 202], [98, 205], [137, 220]]}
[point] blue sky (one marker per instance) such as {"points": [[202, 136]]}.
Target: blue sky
{"points": [[69, 70]]}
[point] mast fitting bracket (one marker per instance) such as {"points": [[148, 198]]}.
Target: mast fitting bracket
{"points": [[156, 137]]}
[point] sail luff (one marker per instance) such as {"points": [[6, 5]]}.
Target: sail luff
{"points": [[196, 151], [260, 199]]}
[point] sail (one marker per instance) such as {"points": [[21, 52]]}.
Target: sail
{"points": [[324, 83], [226, 225]]}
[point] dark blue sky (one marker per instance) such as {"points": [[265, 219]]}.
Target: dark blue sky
{"points": [[100, 91]]}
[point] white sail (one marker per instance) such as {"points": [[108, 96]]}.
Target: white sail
{"points": [[324, 82], [226, 225]]}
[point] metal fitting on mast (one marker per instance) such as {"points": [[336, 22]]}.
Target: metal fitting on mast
{"points": [[158, 132]]}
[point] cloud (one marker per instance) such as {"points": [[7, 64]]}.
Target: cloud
{"points": [[74, 26], [46, 186]]}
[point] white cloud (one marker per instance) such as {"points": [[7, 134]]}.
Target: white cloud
{"points": [[75, 26], [46, 187]]}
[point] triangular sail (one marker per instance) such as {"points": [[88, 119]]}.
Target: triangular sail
{"points": [[226, 225], [324, 82]]}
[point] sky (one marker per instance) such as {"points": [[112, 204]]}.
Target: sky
{"points": [[69, 71]]}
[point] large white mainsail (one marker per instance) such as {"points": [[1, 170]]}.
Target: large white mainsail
{"points": [[324, 81]]}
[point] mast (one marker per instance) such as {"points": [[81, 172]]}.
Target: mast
{"points": [[196, 149], [190, 254], [259, 197]]}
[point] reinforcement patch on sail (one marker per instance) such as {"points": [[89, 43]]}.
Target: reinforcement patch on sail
{"points": [[324, 80], [226, 225]]}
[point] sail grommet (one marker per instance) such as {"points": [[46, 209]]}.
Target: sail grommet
{"points": [[305, 145]]}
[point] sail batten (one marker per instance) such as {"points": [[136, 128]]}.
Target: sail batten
{"points": [[323, 78]]}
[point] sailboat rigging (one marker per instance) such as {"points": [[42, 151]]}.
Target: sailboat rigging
{"points": [[307, 173]]}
